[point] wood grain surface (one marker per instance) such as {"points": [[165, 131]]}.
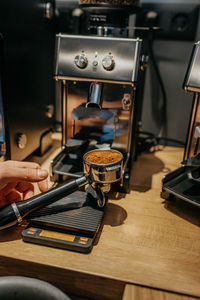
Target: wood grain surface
{"points": [[144, 241], [134, 292]]}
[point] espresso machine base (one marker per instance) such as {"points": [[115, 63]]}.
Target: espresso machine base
{"points": [[71, 223]]}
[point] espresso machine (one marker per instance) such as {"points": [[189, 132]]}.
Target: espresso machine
{"points": [[184, 182], [94, 116], [27, 41], [99, 78]]}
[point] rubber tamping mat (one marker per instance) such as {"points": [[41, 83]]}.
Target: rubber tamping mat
{"points": [[76, 212]]}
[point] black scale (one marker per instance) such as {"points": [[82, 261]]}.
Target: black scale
{"points": [[70, 223]]}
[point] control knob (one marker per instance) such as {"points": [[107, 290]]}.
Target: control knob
{"points": [[81, 61], [108, 63], [21, 140]]}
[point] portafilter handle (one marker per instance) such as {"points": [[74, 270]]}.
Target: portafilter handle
{"points": [[99, 175], [15, 212]]}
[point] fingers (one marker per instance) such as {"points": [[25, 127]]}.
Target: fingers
{"points": [[3, 201], [43, 185], [13, 196], [12, 192], [8, 187], [28, 194], [9, 171], [21, 164], [16, 178], [26, 188]]}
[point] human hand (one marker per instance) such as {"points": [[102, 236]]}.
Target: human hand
{"points": [[16, 178]]}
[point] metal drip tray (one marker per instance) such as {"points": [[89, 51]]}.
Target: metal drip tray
{"points": [[179, 184], [69, 162]]}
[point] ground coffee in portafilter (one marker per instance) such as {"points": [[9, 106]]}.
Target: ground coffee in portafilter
{"points": [[102, 157]]}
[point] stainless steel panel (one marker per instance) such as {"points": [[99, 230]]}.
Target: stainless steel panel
{"points": [[27, 74], [124, 52], [192, 79]]}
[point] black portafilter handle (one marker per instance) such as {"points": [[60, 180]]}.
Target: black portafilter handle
{"points": [[15, 212]]}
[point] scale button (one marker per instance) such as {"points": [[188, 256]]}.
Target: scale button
{"points": [[83, 240]]}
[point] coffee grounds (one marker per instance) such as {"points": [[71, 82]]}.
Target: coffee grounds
{"points": [[110, 2], [103, 157]]}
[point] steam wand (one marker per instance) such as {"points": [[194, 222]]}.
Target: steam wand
{"points": [[14, 213]]}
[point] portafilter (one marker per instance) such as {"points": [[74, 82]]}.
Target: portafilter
{"points": [[101, 168]]}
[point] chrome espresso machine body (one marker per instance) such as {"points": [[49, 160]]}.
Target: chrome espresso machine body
{"points": [[98, 80], [184, 182]]}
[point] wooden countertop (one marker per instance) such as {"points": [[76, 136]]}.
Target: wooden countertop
{"points": [[144, 241]]}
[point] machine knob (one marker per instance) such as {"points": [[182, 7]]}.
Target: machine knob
{"points": [[81, 61], [108, 63], [21, 140]]}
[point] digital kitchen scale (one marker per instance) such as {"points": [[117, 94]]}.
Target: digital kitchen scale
{"points": [[70, 223]]}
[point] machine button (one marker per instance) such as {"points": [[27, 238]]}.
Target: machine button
{"points": [[21, 140], [81, 61], [108, 63], [95, 63]]}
